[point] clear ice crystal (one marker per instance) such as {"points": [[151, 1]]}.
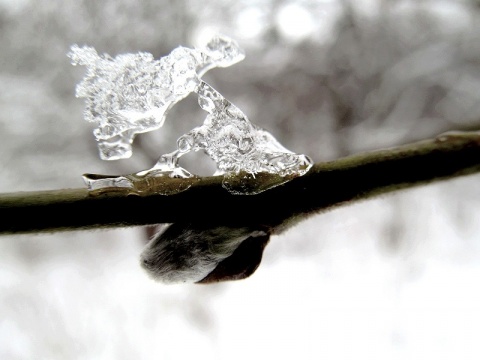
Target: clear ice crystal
{"points": [[132, 94], [233, 142]]}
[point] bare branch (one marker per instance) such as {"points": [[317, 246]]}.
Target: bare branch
{"points": [[325, 186]]}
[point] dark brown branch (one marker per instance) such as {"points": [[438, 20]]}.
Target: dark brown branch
{"points": [[327, 185]]}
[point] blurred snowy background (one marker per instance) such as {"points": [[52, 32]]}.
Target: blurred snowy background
{"points": [[391, 278]]}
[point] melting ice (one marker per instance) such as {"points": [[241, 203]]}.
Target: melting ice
{"points": [[132, 93]]}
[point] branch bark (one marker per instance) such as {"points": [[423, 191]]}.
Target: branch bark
{"points": [[325, 186]]}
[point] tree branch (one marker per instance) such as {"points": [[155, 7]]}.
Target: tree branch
{"points": [[325, 186]]}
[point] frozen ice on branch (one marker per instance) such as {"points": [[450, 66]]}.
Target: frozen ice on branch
{"points": [[132, 93]]}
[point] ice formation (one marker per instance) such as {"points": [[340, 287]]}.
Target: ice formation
{"points": [[132, 94], [234, 143]]}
